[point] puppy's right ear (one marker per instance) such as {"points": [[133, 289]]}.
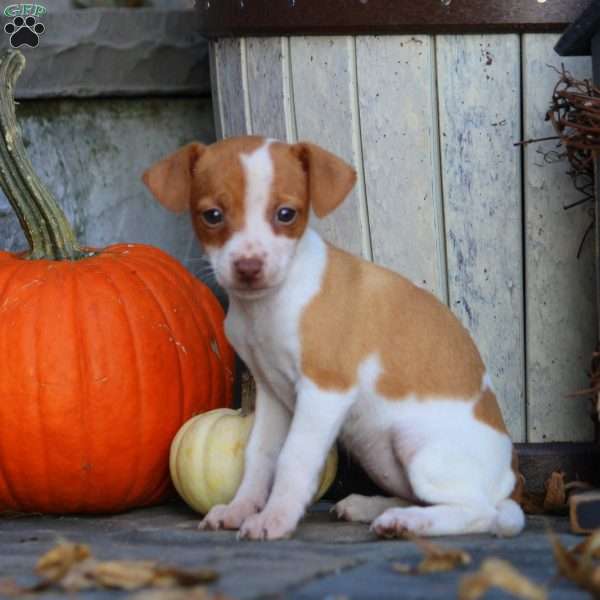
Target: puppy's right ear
{"points": [[170, 180]]}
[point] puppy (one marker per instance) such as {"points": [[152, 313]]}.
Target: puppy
{"points": [[339, 347]]}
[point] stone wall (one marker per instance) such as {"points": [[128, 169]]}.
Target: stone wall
{"points": [[91, 149]]}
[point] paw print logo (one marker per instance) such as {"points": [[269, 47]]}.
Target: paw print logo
{"points": [[24, 32]]}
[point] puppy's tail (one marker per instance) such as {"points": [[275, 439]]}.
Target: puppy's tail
{"points": [[510, 519]]}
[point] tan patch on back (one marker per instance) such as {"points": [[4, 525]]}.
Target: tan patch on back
{"points": [[487, 411], [363, 309]]}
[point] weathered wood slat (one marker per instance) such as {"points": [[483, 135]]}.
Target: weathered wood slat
{"points": [[325, 105], [264, 63], [216, 92], [232, 113], [398, 117], [561, 320], [479, 97]]}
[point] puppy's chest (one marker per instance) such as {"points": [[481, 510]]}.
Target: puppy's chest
{"points": [[267, 341]]}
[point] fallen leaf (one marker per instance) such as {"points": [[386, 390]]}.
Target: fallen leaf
{"points": [[497, 573], [123, 574], [55, 564], [132, 575], [73, 568], [199, 593], [577, 564], [437, 559], [589, 546], [555, 500], [532, 503], [184, 577]]}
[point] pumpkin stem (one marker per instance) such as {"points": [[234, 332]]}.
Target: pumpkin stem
{"points": [[248, 394], [47, 230]]}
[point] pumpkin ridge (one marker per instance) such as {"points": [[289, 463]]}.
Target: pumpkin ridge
{"points": [[40, 395], [138, 378], [197, 311], [205, 453], [203, 321], [152, 294], [83, 384], [9, 486]]}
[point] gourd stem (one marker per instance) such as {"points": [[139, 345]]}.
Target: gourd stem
{"points": [[248, 394], [45, 226]]}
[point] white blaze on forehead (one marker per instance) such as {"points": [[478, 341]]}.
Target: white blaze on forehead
{"points": [[258, 173], [257, 237]]}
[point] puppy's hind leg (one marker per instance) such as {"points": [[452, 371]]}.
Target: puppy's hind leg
{"points": [[364, 509], [463, 495]]}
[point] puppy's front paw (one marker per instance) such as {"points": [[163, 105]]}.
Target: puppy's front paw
{"points": [[268, 525], [228, 516]]}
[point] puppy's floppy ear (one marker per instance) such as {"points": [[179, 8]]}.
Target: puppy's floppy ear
{"points": [[170, 180], [330, 179]]}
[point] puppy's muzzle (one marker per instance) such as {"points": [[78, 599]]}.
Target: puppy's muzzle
{"points": [[248, 270]]}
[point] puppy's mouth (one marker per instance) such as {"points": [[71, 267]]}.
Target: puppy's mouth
{"points": [[250, 291], [250, 286]]}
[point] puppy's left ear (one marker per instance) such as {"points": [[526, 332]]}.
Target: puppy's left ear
{"points": [[170, 180], [330, 179]]}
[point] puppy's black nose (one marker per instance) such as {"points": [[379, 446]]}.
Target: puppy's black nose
{"points": [[248, 269]]}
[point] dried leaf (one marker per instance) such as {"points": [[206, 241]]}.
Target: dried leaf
{"points": [[72, 567], [531, 503], [198, 593], [124, 574], [577, 564], [79, 577], [183, 577], [497, 573], [132, 575], [555, 500], [55, 564], [437, 559], [590, 546]]}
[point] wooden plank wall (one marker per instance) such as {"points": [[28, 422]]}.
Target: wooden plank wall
{"points": [[480, 118], [560, 294], [443, 196]]}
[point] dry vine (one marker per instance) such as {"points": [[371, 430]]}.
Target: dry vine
{"points": [[575, 116]]}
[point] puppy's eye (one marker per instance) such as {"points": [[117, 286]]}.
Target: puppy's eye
{"points": [[213, 217], [286, 215]]}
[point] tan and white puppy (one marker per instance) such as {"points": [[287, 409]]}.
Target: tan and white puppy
{"points": [[339, 347]]}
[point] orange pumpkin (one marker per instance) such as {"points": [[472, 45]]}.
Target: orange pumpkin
{"points": [[103, 354]]}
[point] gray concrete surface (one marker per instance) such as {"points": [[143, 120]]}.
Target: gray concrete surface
{"points": [[325, 559], [114, 52]]}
